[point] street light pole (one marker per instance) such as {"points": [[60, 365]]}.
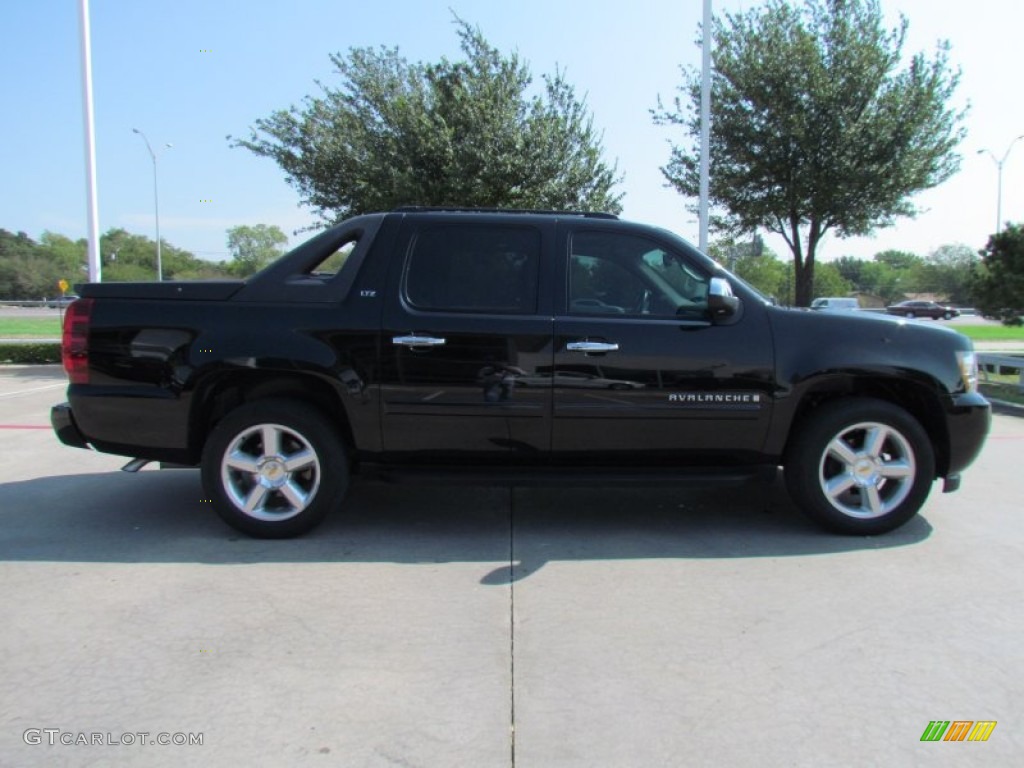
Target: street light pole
{"points": [[999, 179], [156, 203]]}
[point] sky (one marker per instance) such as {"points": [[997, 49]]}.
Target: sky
{"points": [[192, 72]]}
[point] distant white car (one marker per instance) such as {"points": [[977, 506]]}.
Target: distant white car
{"points": [[837, 303]]}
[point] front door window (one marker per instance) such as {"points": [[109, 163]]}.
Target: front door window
{"points": [[625, 275]]}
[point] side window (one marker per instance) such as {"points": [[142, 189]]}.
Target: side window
{"points": [[602, 286], [474, 269], [616, 274], [333, 262]]}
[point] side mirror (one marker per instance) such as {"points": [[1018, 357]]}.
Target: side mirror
{"points": [[721, 301]]}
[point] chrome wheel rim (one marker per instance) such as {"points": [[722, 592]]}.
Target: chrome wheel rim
{"points": [[867, 470], [270, 472]]}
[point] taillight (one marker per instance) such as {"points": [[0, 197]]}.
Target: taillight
{"points": [[75, 341]]}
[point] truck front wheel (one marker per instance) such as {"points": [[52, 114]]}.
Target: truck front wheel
{"points": [[274, 468], [860, 466]]}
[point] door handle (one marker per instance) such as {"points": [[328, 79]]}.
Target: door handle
{"points": [[592, 346], [413, 341]]}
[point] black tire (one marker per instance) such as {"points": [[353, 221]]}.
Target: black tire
{"points": [[302, 478], [882, 478]]}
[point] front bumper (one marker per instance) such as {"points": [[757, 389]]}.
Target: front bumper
{"points": [[64, 426], [968, 418]]}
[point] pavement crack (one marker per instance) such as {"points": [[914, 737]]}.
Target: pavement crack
{"points": [[512, 620]]}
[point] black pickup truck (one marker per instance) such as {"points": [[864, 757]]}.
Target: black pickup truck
{"points": [[513, 347]]}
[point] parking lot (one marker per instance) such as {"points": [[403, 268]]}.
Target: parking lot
{"points": [[491, 627]]}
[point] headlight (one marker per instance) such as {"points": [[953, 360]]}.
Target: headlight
{"points": [[968, 370]]}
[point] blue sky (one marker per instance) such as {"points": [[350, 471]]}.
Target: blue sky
{"points": [[151, 71]]}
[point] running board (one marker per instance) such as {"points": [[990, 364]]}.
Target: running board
{"points": [[586, 477]]}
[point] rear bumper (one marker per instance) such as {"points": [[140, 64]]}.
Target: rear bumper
{"points": [[64, 426], [139, 427]]}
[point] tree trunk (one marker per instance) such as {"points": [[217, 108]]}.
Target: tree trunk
{"points": [[803, 264], [803, 289]]}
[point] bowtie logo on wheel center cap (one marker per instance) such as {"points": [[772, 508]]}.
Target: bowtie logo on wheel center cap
{"points": [[273, 473], [865, 471]]}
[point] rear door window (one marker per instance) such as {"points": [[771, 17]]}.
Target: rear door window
{"points": [[473, 268]]}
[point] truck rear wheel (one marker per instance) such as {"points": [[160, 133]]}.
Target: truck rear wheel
{"points": [[860, 466], [274, 468]]}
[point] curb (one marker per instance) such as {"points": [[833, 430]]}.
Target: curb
{"points": [[1006, 408]]}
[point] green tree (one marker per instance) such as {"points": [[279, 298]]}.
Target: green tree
{"points": [[16, 245], [69, 255], [17, 253], [879, 277], [31, 270], [899, 260], [999, 283], [852, 270], [458, 133], [949, 271], [829, 281], [815, 127], [755, 263], [200, 269], [9, 288], [132, 258], [768, 275], [897, 274], [729, 250], [761, 267], [252, 248], [889, 284]]}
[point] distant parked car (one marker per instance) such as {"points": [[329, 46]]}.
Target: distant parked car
{"points": [[62, 301], [923, 309]]}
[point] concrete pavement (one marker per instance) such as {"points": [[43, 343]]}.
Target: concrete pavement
{"points": [[492, 627]]}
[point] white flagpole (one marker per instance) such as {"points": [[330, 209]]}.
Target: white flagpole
{"points": [[705, 129], [93, 234]]}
